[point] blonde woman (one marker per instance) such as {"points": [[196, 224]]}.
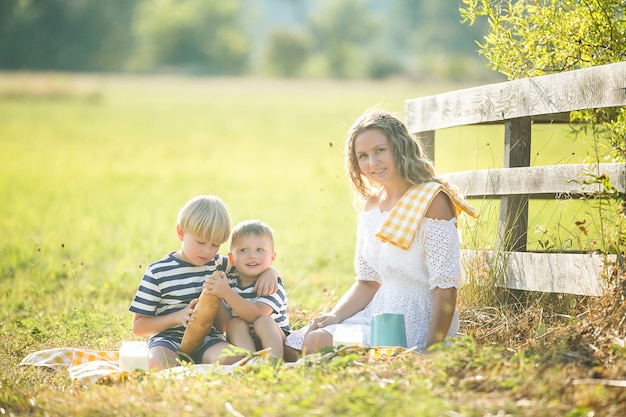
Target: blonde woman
{"points": [[407, 256]]}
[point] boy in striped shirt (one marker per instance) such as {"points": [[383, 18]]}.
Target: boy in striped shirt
{"points": [[171, 286], [257, 322]]}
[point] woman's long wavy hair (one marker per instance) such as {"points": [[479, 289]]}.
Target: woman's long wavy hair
{"points": [[411, 161]]}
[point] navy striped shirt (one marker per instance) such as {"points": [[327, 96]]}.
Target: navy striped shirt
{"points": [[277, 301], [170, 284]]}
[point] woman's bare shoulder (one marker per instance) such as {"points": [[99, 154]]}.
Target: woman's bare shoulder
{"points": [[441, 208], [372, 202]]}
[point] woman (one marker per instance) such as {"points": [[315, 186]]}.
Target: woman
{"points": [[407, 250]]}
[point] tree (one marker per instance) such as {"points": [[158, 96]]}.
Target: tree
{"points": [[197, 35], [432, 27], [532, 38], [287, 52], [431, 40], [340, 28], [65, 34]]}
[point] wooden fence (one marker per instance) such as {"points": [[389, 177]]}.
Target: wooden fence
{"points": [[518, 104]]}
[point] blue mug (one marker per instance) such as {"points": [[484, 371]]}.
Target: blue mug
{"points": [[388, 330]]}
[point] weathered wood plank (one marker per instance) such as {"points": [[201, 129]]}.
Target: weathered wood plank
{"points": [[595, 87], [541, 99], [545, 272], [513, 223], [534, 181]]}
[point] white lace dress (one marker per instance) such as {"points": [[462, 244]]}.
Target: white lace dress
{"points": [[408, 276]]}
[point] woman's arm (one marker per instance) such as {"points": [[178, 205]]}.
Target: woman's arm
{"points": [[444, 302], [441, 208], [362, 291], [443, 312], [354, 300]]}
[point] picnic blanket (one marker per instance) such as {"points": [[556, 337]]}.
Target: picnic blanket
{"points": [[93, 366], [82, 365]]}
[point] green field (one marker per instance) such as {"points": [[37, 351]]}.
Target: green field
{"points": [[93, 171], [91, 187]]}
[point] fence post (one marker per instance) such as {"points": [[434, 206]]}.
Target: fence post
{"points": [[513, 223]]}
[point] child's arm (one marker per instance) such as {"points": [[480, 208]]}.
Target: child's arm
{"points": [[222, 318], [246, 310], [147, 325], [267, 283]]}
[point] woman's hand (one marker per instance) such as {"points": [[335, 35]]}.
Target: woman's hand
{"points": [[322, 321], [187, 313]]}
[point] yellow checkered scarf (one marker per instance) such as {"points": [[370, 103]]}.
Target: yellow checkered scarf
{"points": [[400, 226]]}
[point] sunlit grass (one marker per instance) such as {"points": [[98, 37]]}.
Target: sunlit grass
{"points": [[91, 183], [91, 188]]}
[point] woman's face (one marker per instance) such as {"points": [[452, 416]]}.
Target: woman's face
{"points": [[375, 156]]}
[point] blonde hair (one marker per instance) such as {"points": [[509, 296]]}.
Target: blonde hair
{"points": [[411, 161], [207, 218], [251, 227]]}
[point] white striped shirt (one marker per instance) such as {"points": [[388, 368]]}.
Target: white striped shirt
{"points": [[277, 301]]}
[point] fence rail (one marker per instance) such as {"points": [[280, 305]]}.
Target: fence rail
{"points": [[540, 182], [518, 104]]}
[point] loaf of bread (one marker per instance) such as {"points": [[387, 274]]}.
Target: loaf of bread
{"points": [[206, 309]]}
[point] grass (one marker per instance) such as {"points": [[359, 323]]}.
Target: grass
{"points": [[93, 171]]}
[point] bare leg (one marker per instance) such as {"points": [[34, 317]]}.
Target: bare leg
{"points": [[161, 357], [215, 352], [239, 334], [270, 335], [291, 354], [315, 340]]}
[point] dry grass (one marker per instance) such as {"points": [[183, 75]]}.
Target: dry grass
{"points": [[526, 354], [535, 354], [579, 343]]}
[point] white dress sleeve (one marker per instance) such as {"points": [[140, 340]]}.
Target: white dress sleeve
{"points": [[363, 270], [443, 252]]}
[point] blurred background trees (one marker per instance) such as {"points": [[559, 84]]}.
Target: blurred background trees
{"points": [[78, 35], [311, 38], [197, 35]]}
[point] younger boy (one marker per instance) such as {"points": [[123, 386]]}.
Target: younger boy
{"points": [[171, 286], [257, 321]]}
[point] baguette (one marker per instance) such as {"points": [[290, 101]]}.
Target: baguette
{"points": [[206, 309]]}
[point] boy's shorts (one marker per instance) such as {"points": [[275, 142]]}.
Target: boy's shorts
{"points": [[174, 345]]}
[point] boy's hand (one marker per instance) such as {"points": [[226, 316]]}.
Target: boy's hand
{"points": [[217, 284], [267, 283], [187, 313], [265, 288]]}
